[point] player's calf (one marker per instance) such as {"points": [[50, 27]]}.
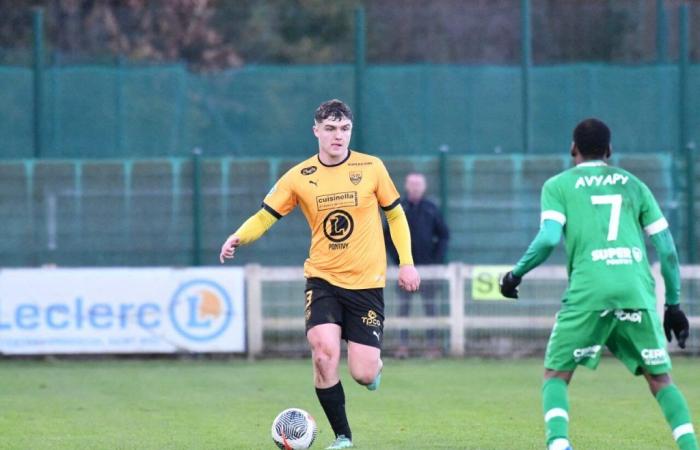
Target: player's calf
{"points": [[677, 414], [555, 403]]}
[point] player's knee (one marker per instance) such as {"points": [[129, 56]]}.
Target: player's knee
{"points": [[325, 360], [658, 382], [364, 374], [564, 375], [364, 377]]}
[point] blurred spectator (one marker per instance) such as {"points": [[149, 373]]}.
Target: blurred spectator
{"points": [[429, 236]]}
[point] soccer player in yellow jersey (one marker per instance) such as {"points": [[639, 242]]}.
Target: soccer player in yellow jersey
{"points": [[340, 192]]}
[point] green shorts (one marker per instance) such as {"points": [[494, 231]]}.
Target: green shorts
{"points": [[635, 337]]}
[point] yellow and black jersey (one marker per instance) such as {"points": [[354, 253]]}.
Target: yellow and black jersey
{"points": [[340, 202]]}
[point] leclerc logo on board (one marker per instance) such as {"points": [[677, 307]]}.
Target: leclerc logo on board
{"points": [[122, 310], [200, 310]]}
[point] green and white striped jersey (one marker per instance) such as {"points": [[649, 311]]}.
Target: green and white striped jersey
{"points": [[604, 211]]}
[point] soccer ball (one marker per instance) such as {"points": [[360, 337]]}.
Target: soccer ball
{"points": [[294, 428]]}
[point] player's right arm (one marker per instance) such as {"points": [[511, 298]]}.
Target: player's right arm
{"points": [[277, 203], [553, 218], [251, 230], [537, 252]]}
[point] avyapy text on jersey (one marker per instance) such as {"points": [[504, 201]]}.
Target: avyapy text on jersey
{"points": [[601, 180]]}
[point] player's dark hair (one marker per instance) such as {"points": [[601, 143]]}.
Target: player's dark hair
{"points": [[335, 109], [592, 138]]}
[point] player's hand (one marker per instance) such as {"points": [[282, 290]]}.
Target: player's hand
{"points": [[509, 285], [409, 280], [229, 248], [676, 321]]}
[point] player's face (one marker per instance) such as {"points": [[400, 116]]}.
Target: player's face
{"points": [[415, 187], [333, 139]]}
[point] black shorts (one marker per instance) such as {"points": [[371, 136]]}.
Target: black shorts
{"points": [[359, 312]]}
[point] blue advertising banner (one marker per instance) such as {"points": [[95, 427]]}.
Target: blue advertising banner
{"points": [[122, 310]]}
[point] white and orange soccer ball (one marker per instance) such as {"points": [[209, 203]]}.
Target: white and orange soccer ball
{"points": [[294, 428]]}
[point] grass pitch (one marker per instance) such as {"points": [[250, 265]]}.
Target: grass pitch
{"points": [[447, 404]]}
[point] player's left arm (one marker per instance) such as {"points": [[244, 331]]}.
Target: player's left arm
{"points": [[670, 268], [675, 320], [656, 226], [388, 198], [400, 233], [401, 237], [552, 224], [389, 244]]}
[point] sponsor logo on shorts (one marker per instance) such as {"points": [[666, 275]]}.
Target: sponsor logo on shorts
{"points": [[371, 319], [336, 200], [615, 256], [654, 356], [586, 352], [628, 316]]}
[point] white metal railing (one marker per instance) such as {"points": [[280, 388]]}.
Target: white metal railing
{"points": [[457, 322]]}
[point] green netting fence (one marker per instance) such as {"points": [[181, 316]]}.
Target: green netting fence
{"points": [[262, 111], [150, 212]]}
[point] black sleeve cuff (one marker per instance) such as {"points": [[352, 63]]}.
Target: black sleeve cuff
{"points": [[392, 205], [269, 209]]}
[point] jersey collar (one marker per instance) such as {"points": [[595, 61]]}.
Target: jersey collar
{"points": [[337, 164], [592, 164]]}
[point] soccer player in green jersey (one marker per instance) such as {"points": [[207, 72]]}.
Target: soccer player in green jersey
{"points": [[602, 211]]}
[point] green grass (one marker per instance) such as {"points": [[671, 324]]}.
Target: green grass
{"points": [[448, 404]]}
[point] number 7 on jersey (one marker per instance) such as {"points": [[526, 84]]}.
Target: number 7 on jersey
{"points": [[615, 201]]}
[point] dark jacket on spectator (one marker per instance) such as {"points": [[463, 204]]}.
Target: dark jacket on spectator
{"points": [[429, 233]]}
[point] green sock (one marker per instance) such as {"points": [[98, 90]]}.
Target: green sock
{"points": [[677, 415], [555, 402]]}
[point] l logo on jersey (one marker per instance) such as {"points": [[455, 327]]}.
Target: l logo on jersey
{"points": [[338, 225], [355, 177]]}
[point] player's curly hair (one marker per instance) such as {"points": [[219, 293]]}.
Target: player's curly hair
{"points": [[334, 109], [592, 137]]}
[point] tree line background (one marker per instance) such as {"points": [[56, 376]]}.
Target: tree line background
{"points": [[211, 35]]}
